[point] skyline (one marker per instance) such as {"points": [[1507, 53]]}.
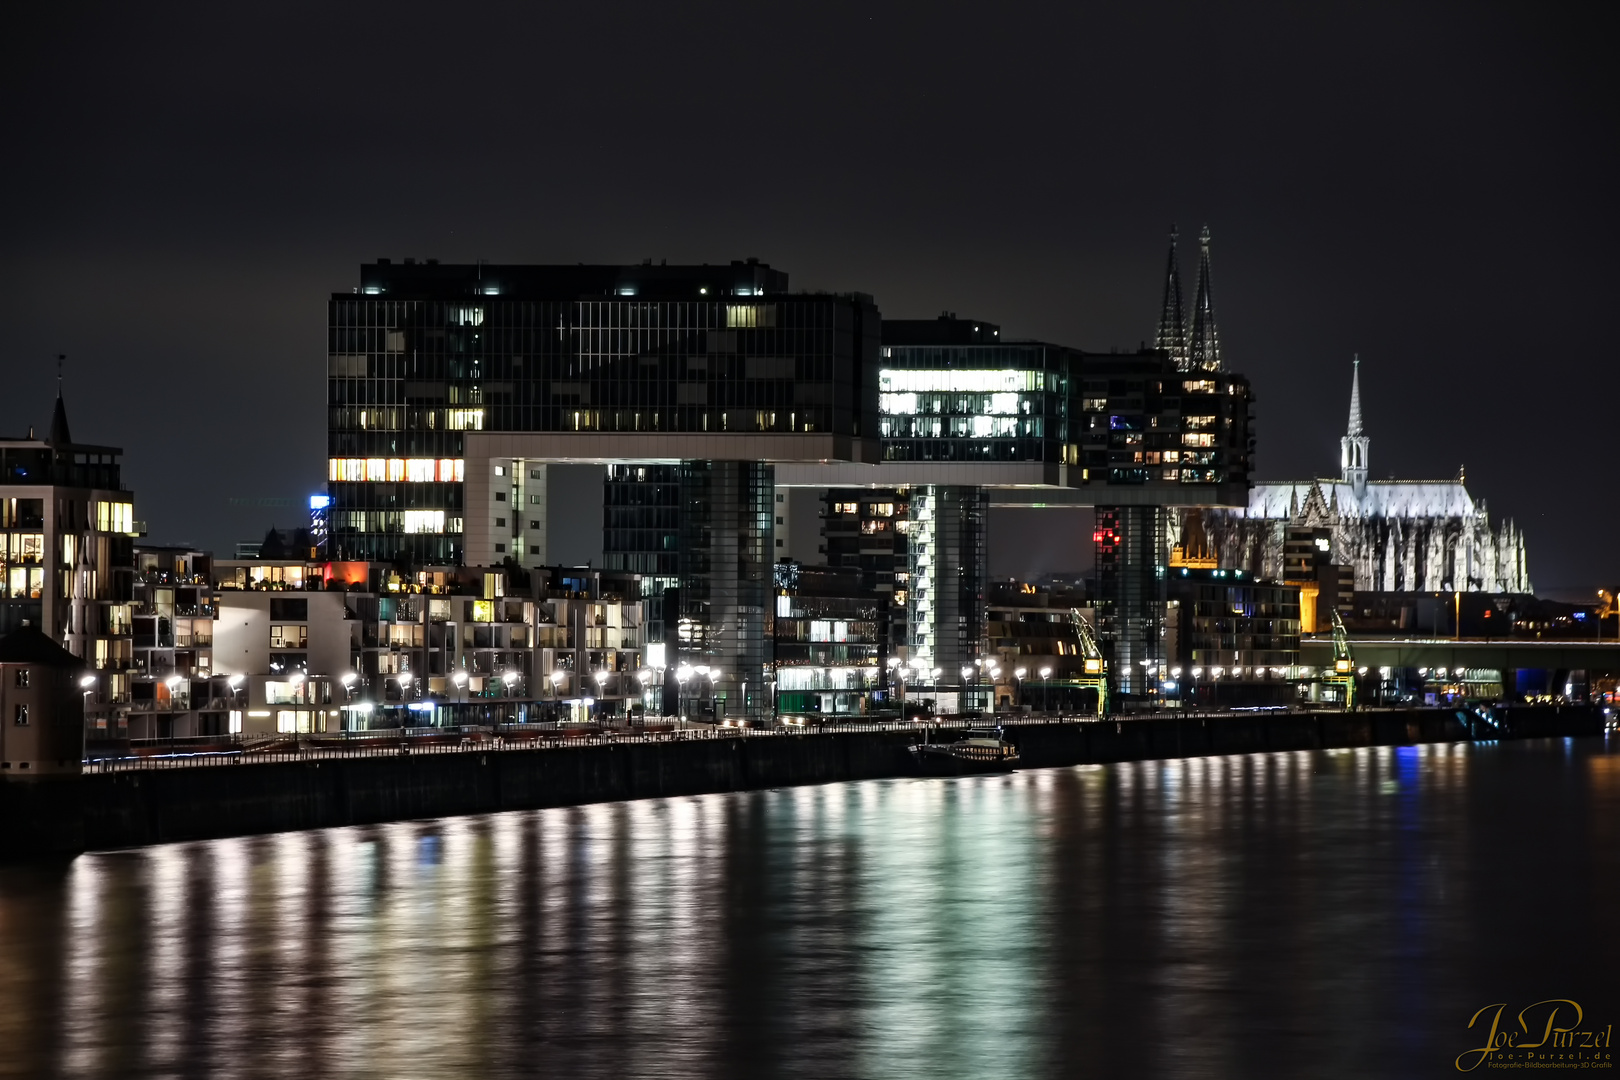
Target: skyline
{"points": [[189, 209]]}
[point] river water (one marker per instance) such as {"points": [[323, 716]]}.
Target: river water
{"points": [[1336, 913]]}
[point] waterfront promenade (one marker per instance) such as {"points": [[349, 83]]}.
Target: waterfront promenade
{"points": [[158, 798]]}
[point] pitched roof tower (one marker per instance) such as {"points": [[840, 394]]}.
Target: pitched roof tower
{"points": [[1172, 335], [1204, 343]]}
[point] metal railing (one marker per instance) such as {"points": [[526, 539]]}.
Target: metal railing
{"points": [[289, 747]]}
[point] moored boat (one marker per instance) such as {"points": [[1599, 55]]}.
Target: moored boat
{"points": [[975, 752]]}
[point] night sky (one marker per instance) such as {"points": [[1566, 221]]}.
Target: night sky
{"points": [[1428, 185]]}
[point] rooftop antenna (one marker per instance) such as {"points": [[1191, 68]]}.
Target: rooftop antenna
{"points": [[60, 357]]}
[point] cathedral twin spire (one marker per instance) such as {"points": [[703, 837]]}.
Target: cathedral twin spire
{"points": [[1195, 347]]}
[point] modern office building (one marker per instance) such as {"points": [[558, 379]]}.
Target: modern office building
{"points": [[67, 554], [452, 388], [710, 389]]}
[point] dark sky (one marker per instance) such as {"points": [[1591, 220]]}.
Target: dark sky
{"points": [[1428, 185]]}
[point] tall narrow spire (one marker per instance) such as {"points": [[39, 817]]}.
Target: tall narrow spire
{"points": [[1353, 447], [1204, 343], [1172, 335], [1355, 398], [59, 425]]}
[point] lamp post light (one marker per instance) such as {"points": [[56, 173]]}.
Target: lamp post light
{"points": [[1046, 674], [601, 678], [510, 680], [683, 675], [234, 684], [87, 687], [556, 679], [171, 682]]}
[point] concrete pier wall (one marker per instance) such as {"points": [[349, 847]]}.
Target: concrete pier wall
{"points": [[160, 805]]}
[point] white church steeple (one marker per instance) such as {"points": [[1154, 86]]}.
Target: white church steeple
{"points": [[1353, 447]]}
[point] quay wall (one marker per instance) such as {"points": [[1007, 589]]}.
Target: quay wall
{"points": [[159, 805]]}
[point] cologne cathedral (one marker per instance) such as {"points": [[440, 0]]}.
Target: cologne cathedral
{"points": [[1396, 535]]}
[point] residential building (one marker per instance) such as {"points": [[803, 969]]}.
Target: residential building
{"points": [[349, 646], [828, 631], [67, 554], [174, 690], [1031, 629], [43, 689], [1230, 639]]}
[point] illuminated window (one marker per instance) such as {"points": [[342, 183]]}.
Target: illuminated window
{"points": [[424, 521], [289, 637], [1198, 386], [750, 316], [409, 470], [466, 419], [115, 517], [969, 382], [1198, 440]]}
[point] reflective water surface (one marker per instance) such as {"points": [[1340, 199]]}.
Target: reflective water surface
{"points": [[1309, 914]]}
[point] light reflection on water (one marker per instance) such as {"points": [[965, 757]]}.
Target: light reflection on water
{"points": [[1308, 913]]}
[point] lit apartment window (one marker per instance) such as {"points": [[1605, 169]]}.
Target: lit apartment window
{"points": [[22, 678], [289, 637], [20, 717]]}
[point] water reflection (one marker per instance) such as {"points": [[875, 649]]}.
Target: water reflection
{"points": [[1334, 913]]}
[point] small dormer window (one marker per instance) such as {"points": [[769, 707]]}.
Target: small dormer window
{"points": [[22, 678], [21, 716]]}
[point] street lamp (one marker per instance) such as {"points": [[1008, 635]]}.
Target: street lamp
{"points": [[171, 682], [556, 680], [86, 685], [1019, 673], [1046, 674], [683, 674]]}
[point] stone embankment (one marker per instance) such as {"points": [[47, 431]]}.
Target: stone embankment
{"points": [[155, 802]]}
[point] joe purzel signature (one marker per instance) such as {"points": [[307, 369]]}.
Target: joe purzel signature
{"points": [[1560, 1032]]}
